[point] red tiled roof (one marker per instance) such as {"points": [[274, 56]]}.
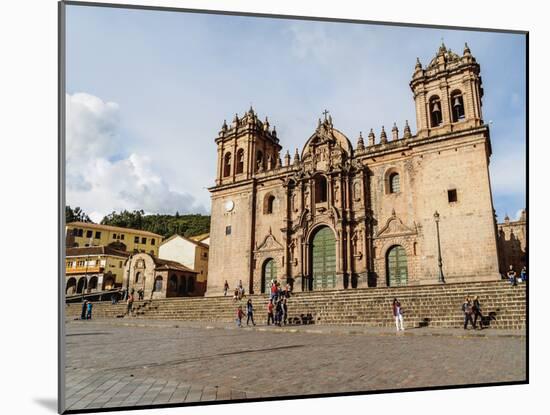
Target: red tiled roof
{"points": [[95, 250], [111, 228]]}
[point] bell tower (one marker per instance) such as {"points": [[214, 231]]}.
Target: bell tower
{"points": [[447, 93], [246, 147]]}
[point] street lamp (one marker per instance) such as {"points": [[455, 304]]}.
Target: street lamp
{"points": [[441, 279]]}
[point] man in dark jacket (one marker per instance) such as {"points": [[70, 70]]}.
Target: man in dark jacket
{"points": [[468, 310], [477, 313]]}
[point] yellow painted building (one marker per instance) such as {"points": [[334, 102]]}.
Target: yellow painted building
{"points": [[189, 252], [83, 234], [93, 269]]}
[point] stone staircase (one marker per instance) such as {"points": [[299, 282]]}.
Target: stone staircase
{"points": [[503, 306]]}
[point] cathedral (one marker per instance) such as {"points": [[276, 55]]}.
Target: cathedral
{"points": [[396, 209]]}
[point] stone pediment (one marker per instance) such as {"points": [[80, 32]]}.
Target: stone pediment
{"points": [[395, 227], [269, 243]]}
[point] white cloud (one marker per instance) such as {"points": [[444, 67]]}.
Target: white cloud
{"points": [[508, 174], [101, 176]]}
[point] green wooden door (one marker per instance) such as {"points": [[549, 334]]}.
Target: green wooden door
{"points": [[270, 273], [323, 259], [397, 266]]}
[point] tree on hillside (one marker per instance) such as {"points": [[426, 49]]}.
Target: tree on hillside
{"points": [[76, 215], [165, 225]]}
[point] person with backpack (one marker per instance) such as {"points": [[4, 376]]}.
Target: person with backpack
{"points": [[249, 312], [477, 313], [398, 315], [468, 310], [270, 312]]}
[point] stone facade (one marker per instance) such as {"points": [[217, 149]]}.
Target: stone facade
{"points": [[159, 278], [270, 218], [512, 243]]}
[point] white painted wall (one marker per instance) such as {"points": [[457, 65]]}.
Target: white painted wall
{"points": [[180, 250]]}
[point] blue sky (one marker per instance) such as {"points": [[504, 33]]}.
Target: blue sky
{"points": [[149, 90]]}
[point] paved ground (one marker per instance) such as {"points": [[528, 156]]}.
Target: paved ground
{"points": [[143, 362]]}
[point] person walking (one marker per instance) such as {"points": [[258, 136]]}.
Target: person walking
{"points": [[140, 294], [270, 313], [512, 276], [240, 315], [284, 307], [468, 310], [523, 274], [398, 315], [130, 303], [84, 310], [477, 313], [249, 313], [89, 311], [225, 288]]}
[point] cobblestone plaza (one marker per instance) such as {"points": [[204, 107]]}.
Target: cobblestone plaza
{"points": [[131, 363]]}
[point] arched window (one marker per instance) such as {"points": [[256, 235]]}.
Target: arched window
{"points": [[395, 185], [435, 111], [227, 165], [158, 283], [239, 163], [138, 277], [269, 201], [259, 161], [320, 189], [457, 106], [357, 191]]}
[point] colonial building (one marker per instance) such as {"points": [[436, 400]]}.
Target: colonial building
{"points": [[336, 216], [512, 243], [193, 254], [159, 278], [204, 238], [93, 269], [83, 234]]}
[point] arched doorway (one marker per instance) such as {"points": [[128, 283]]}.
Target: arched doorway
{"points": [[323, 259], [182, 286], [173, 285], [108, 283], [396, 266], [81, 285], [158, 284], [269, 273], [71, 286], [92, 285]]}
